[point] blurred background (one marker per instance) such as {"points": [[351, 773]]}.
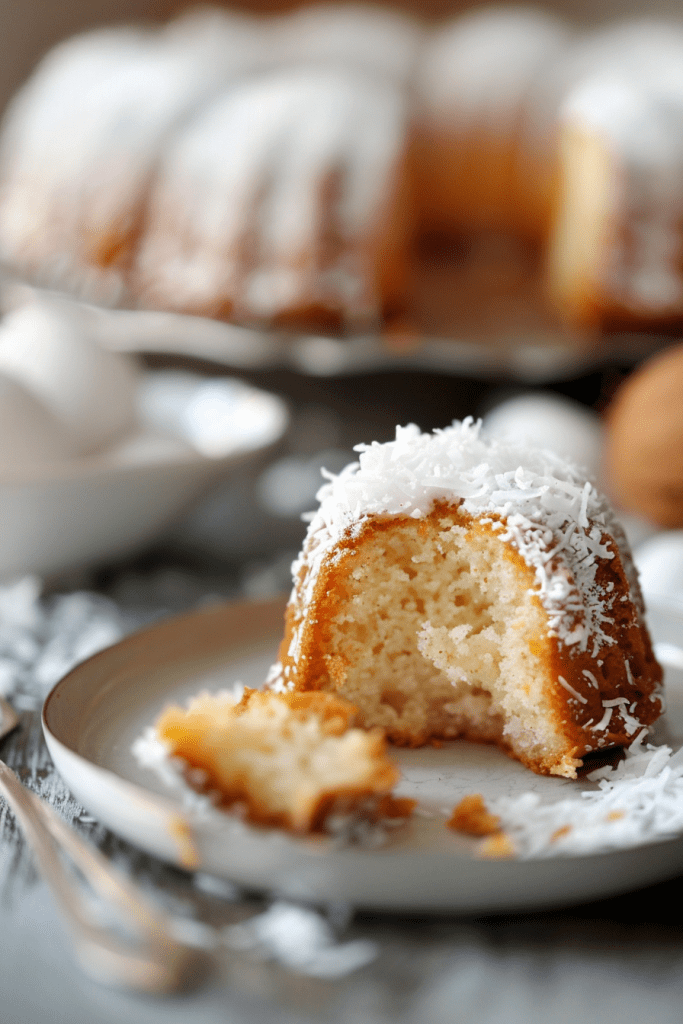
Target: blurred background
{"points": [[483, 344]]}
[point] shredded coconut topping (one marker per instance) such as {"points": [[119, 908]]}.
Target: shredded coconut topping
{"points": [[547, 507], [639, 801]]}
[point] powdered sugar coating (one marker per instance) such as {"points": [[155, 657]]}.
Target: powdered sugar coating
{"points": [[378, 40], [242, 215], [477, 70], [537, 502], [81, 139]]}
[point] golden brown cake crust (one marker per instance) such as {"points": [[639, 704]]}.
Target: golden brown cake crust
{"points": [[613, 262]]}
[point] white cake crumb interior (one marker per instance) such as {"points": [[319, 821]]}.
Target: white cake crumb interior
{"points": [[433, 637], [286, 760], [292, 760]]}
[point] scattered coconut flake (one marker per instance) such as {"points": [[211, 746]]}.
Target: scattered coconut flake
{"points": [[41, 638], [604, 721], [638, 801], [631, 723], [275, 679], [301, 939], [359, 828], [570, 689]]}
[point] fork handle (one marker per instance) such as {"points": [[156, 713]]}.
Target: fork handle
{"points": [[104, 878], [159, 964]]}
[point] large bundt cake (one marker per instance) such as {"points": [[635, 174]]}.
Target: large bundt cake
{"points": [[451, 586], [477, 76], [284, 201], [277, 171], [81, 139]]}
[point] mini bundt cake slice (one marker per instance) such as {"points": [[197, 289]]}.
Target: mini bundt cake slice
{"points": [[451, 586]]}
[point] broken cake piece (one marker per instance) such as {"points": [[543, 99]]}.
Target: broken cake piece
{"points": [[287, 760]]}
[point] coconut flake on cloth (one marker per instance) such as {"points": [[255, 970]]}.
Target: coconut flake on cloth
{"points": [[301, 939], [41, 638], [548, 507], [639, 801]]}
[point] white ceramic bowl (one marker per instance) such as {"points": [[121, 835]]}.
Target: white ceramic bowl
{"points": [[89, 510]]}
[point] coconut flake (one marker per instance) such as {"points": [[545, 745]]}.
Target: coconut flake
{"points": [[563, 682], [604, 721]]}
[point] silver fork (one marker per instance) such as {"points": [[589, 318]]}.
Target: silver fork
{"points": [[152, 960]]}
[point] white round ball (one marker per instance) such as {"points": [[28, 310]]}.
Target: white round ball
{"points": [[30, 435], [91, 391], [550, 421], [659, 561]]}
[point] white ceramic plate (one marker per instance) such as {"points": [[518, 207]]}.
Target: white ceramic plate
{"points": [[94, 714], [92, 509]]}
